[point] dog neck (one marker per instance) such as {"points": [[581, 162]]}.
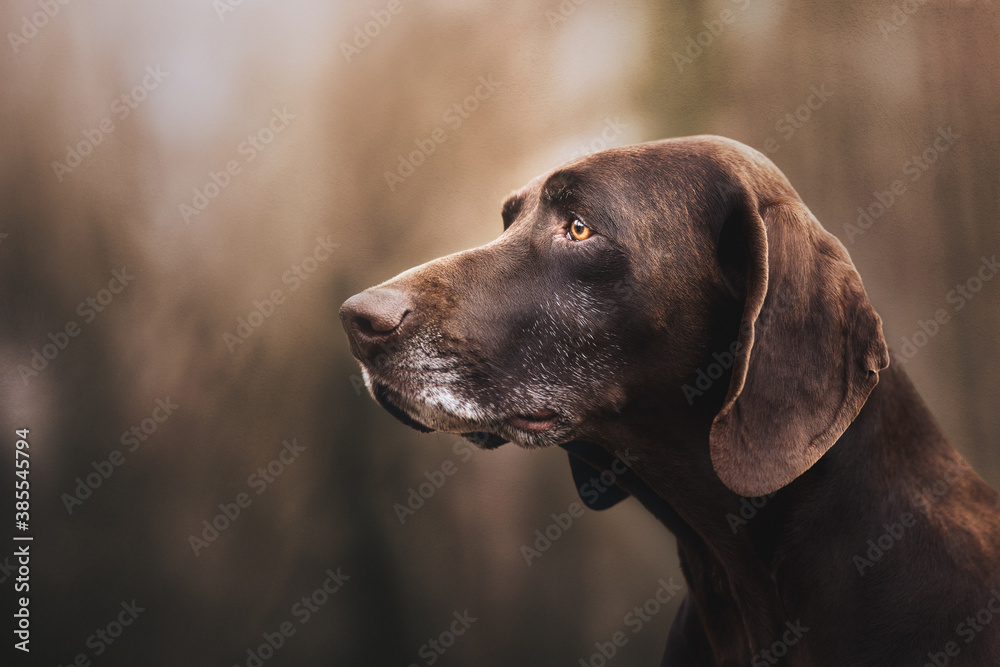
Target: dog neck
{"points": [[748, 566]]}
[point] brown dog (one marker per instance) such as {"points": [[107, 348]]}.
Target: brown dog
{"points": [[678, 297]]}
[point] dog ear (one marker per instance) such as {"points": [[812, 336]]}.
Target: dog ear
{"points": [[809, 348]]}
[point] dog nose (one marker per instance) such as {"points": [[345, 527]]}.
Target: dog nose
{"points": [[374, 319]]}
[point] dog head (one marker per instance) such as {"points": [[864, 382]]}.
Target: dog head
{"points": [[626, 281]]}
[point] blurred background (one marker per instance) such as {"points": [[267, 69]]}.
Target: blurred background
{"points": [[190, 190]]}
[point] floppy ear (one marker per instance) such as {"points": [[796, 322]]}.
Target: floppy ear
{"points": [[809, 350]]}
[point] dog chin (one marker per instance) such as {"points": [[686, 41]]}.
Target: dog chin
{"points": [[429, 411], [381, 395], [439, 408]]}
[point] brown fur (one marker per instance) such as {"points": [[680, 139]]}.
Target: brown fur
{"points": [[701, 247]]}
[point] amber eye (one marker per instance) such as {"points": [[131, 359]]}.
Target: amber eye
{"points": [[578, 231]]}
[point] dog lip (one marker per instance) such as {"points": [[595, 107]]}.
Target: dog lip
{"points": [[382, 396], [391, 394], [537, 422]]}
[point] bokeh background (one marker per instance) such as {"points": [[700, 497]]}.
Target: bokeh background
{"points": [[313, 102]]}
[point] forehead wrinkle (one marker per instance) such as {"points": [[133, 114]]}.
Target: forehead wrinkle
{"points": [[654, 206], [650, 196]]}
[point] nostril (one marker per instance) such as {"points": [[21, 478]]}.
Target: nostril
{"points": [[376, 327], [364, 325], [373, 316], [381, 323]]}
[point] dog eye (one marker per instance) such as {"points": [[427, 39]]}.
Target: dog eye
{"points": [[578, 230]]}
